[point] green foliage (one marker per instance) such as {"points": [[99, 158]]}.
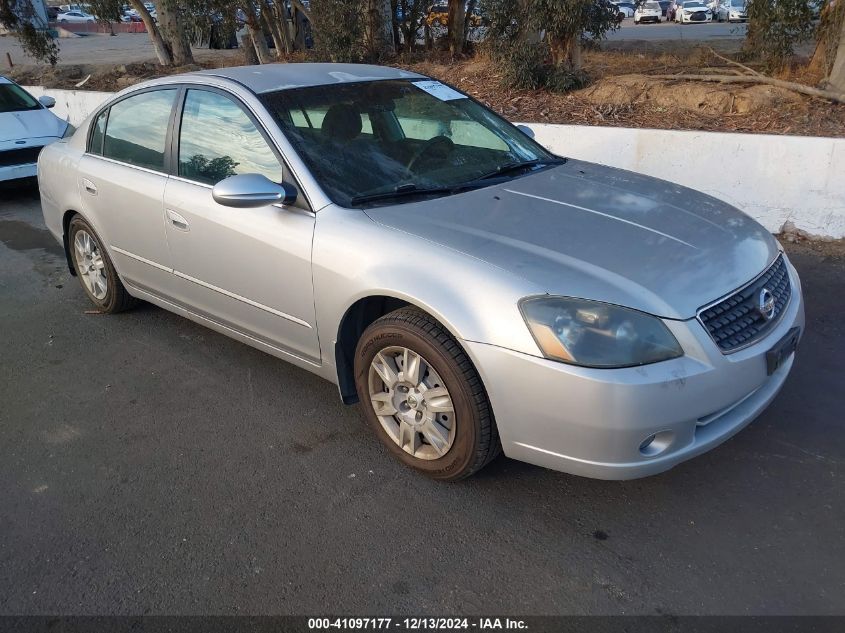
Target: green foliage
{"points": [[411, 14], [524, 65], [106, 10], [339, 31], [570, 18], [775, 27], [19, 18], [535, 41]]}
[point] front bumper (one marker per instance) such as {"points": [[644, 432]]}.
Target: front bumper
{"points": [[592, 422]]}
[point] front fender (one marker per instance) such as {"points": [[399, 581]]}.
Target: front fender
{"points": [[354, 257]]}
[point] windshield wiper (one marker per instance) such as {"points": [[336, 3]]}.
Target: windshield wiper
{"points": [[402, 191], [507, 168]]}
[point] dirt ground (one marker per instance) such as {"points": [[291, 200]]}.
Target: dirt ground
{"points": [[623, 91]]}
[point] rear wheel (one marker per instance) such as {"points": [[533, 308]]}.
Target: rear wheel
{"points": [[422, 396], [95, 270]]}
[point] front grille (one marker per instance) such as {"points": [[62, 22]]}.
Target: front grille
{"points": [[737, 321], [699, 16], [21, 156]]}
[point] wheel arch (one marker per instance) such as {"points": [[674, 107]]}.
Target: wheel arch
{"points": [[67, 216], [357, 318]]}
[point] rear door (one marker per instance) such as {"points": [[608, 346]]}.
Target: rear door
{"points": [[247, 269], [122, 178]]}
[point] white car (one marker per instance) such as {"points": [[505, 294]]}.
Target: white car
{"points": [[625, 8], [25, 127], [732, 11], [693, 11], [648, 12], [75, 17]]}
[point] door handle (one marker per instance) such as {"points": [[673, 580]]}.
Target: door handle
{"points": [[89, 186], [177, 220]]}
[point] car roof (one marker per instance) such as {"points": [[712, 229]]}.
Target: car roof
{"points": [[285, 76]]}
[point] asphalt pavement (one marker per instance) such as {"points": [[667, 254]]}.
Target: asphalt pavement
{"points": [[709, 31], [149, 466]]}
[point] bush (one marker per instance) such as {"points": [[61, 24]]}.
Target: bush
{"points": [[774, 29], [339, 34]]}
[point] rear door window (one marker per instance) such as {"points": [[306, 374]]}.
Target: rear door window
{"points": [[137, 129]]}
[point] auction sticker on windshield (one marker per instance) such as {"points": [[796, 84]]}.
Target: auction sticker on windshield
{"points": [[439, 90]]}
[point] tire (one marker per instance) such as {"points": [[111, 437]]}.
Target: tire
{"points": [[116, 298], [473, 436]]}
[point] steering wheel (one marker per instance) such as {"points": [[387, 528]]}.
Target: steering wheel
{"points": [[435, 148]]}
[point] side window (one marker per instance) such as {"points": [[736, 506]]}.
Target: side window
{"points": [[137, 129], [217, 140], [97, 133]]}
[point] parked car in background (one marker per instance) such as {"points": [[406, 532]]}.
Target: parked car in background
{"points": [[26, 125], [693, 12], [625, 8], [647, 12], [471, 290], [664, 7], [732, 11], [672, 10], [75, 17]]}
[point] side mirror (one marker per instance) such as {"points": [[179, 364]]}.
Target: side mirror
{"points": [[252, 190], [526, 130], [47, 102]]}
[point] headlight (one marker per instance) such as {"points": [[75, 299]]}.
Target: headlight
{"points": [[596, 334]]}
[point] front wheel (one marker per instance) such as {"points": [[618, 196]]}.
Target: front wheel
{"points": [[95, 270], [422, 396]]}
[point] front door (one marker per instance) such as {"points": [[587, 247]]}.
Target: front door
{"points": [[248, 269]]}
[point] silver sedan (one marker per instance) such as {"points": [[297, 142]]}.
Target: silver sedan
{"points": [[472, 291]]}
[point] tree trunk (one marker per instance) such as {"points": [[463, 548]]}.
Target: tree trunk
{"points": [[160, 46], [379, 29], [250, 56], [172, 29], [836, 81], [300, 25], [468, 19], [256, 34], [285, 25], [566, 52], [394, 24], [277, 25], [457, 17]]}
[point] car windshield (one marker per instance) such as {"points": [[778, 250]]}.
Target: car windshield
{"points": [[653, 6], [739, 3], [409, 137], [693, 5], [13, 98]]}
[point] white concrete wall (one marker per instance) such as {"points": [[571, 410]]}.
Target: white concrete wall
{"points": [[774, 179], [71, 105]]}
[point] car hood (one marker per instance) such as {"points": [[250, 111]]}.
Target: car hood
{"points": [[15, 126], [596, 232]]}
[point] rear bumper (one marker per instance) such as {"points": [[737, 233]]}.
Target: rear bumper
{"points": [[593, 422]]}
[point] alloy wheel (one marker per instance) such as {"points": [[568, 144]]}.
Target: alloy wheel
{"points": [[412, 403], [90, 264]]}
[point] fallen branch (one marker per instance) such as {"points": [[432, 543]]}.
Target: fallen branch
{"points": [[735, 63], [830, 95]]}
